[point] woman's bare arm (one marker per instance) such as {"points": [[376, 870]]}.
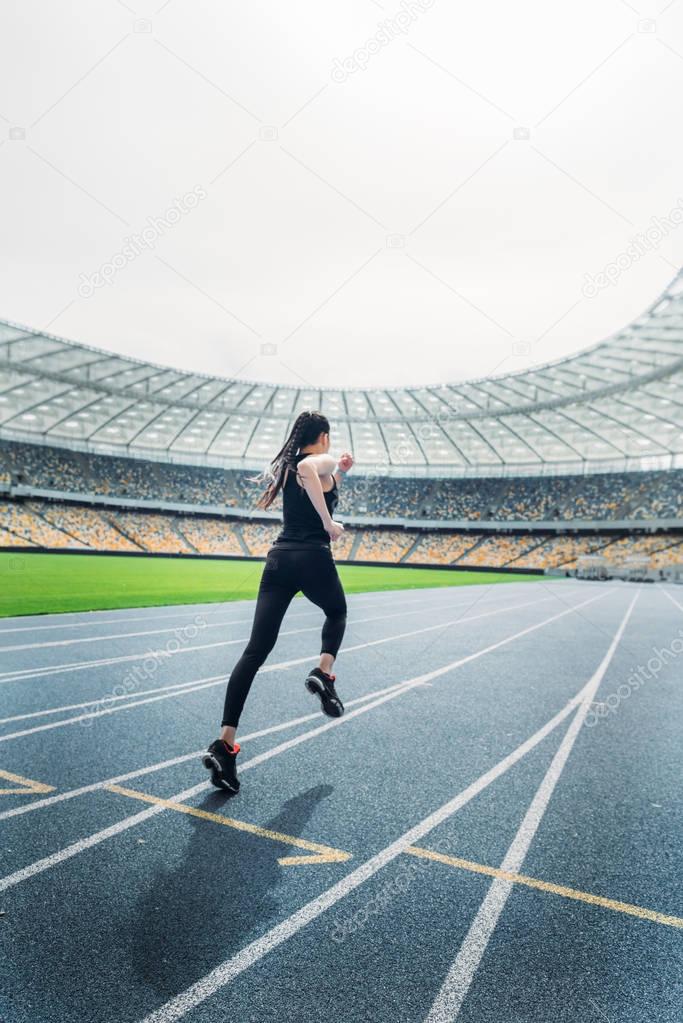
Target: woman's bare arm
{"points": [[310, 469], [323, 464]]}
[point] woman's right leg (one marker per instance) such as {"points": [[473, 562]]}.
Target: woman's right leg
{"points": [[274, 597]]}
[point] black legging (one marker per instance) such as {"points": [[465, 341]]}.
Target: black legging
{"points": [[286, 572]]}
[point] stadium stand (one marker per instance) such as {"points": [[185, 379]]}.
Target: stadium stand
{"points": [[85, 525], [606, 497], [211, 536], [498, 550], [31, 528], [441, 548], [383, 545], [667, 556], [627, 547], [344, 546], [155, 533], [75, 472], [259, 536], [8, 539], [562, 551], [55, 525]]}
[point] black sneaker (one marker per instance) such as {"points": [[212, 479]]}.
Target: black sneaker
{"points": [[221, 760], [322, 685]]}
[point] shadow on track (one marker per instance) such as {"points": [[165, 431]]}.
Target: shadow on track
{"points": [[219, 897]]}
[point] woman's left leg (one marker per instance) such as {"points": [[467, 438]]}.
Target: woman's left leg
{"points": [[274, 597]]}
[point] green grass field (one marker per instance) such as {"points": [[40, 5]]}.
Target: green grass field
{"points": [[46, 583]]}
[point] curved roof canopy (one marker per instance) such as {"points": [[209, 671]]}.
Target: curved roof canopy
{"points": [[617, 405]]}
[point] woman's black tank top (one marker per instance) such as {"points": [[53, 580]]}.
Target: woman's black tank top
{"points": [[302, 526]]}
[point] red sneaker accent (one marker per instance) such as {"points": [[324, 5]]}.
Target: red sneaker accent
{"points": [[231, 749]]}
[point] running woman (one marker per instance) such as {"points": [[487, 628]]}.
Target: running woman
{"points": [[300, 559]]}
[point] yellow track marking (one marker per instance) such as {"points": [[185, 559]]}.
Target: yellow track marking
{"points": [[323, 853], [26, 785], [546, 886]]}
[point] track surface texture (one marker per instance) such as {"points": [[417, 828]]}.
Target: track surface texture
{"points": [[491, 833]]}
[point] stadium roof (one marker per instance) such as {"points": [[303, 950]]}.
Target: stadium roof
{"points": [[616, 405]]}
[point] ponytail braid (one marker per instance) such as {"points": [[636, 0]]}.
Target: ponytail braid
{"points": [[306, 429], [293, 444]]}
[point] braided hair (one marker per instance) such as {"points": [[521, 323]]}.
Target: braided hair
{"points": [[306, 429]]}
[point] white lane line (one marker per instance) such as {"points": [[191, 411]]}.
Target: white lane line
{"points": [[447, 1004], [20, 674], [192, 609], [223, 974], [673, 600], [99, 701], [184, 689], [220, 607], [199, 626], [408, 685], [61, 797], [105, 700], [62, 669], [217, 608], [147, 632]]}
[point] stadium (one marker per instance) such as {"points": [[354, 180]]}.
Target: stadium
{"points": [[470, 811], [540, 470]]}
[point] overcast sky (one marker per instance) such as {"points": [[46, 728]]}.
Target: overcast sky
{"points": [[363, 193]]}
